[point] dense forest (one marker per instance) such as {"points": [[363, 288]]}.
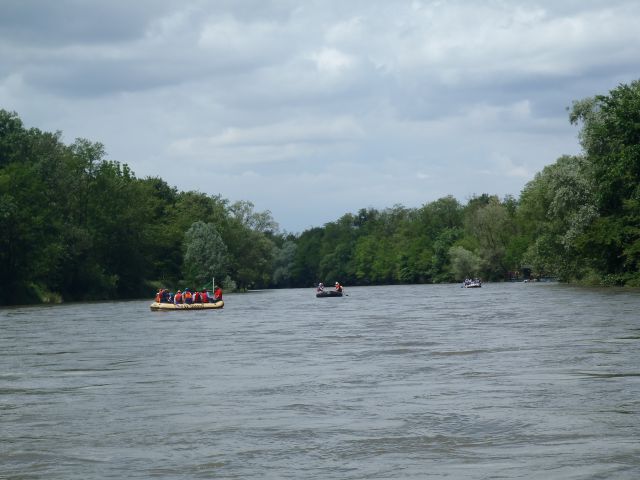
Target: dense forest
{"points": [[77, 226]]}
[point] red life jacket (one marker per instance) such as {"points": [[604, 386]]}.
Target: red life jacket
{"points": [[205, 297], [197, 298], [178, 298]]}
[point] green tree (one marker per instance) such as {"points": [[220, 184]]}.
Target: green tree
{"points": [[464, 264], [205, 254], [263, 222], [492, 226], [610, 137], [305, 269], [556, 209], [249, 236], [284, 258]]}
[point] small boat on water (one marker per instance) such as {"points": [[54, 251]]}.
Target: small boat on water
{"points": [[328, 293], [472, 284], [186, 306]]}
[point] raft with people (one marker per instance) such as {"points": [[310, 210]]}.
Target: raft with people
{"points": [[187, 300], [186, 306], [471, 283], [321, 292]]}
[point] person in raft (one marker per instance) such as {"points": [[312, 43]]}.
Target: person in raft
{"points": [[320, 287], [204, 296], [188, 296], [177, 298], [166, 297], [217, 294], [158, 298], [338, 287], [197, 297]]}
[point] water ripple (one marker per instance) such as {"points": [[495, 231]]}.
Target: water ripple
{"points": [[508, 381]]}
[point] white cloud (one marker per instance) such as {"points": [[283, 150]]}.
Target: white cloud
{"points": [[505, 165], [330, 60]]}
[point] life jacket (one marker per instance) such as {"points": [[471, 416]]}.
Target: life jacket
{"points": [[205, 297], [197, 298], [188, 297], [217, 295], [158, 297], [178, 298]]}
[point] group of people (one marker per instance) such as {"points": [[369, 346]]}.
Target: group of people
{"points": [[189, 296], [320, 287]]}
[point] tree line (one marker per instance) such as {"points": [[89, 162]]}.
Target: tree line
{"points": [[75, 225]]}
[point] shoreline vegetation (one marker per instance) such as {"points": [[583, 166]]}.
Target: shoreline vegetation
{"points": [[122, 237]]}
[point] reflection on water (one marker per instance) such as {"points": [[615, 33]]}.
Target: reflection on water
{"points": [[506, 381]]}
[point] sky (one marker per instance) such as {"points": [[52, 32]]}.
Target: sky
{"points": [[317, 108]]}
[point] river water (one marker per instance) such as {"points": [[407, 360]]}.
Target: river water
{"points": [[536, 381]]}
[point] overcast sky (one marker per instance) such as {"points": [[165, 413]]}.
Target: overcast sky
{"points": [[312, 109]]}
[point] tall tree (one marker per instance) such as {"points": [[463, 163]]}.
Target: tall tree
{"points": [[610, 136], [556, 209], [205, 254], [492, 226], [464, 264]]}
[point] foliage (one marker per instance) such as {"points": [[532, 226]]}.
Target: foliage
{"points": [[205, 254], [464, 264], [118, 236], [115, 236], [610, 137]]}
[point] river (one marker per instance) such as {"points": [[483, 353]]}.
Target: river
{"points": [[512, 380]]}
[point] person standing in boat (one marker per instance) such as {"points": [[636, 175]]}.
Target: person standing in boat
{"points": [[338, 287], [217, 294]]}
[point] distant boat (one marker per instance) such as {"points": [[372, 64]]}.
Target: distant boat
{"points": [[328, 293], [472, 284], [186, 306]]}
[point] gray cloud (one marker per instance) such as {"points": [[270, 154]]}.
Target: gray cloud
{"points": [[356, 104], [65, 22]]}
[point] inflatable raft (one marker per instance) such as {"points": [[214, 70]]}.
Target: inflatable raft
{"points": [[330, 293], [186, 306]]}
